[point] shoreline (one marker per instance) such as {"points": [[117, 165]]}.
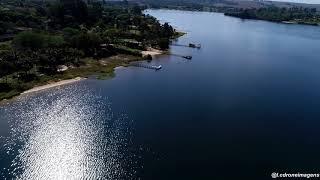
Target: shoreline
{"points": [[154, 53], [52, 85], [150, 51], [47, 86]]}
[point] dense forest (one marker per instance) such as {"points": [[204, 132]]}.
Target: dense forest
{"points": [[38, 37]]}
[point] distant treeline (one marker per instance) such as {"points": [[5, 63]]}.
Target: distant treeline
{"points": [[191, 5], [264, 11], [294, 15]]}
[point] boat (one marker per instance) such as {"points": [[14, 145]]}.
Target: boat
{"points": [[187, 57]]}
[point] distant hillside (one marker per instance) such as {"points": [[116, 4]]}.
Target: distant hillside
{"points": [[220, 5]]}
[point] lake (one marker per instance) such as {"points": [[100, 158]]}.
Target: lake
{"points": [[245, 106]]}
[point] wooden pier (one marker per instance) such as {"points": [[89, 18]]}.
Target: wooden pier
{"points": [[187, 57], [190, 45], [182, 56], [155, 67], [195, 45]]}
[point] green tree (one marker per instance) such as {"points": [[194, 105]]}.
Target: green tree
{"points": [[88, 42], [167, 30], [164, 43], [57, 12], [80, 11], [6, 68], [55, 41], [94, 12], [136, 10], [29, 40], [69, 32]]}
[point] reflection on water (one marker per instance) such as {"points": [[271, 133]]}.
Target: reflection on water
{"points": [[67, 134]]}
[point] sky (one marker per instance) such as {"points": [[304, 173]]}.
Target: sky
{"points": [[302, 1]]}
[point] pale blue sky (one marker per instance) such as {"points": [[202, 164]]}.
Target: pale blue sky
{"points": [[302, 1]]}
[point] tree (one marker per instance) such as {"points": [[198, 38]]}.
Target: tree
{"points": [[6, 68], [88, 42], [167, 30], [69, 32], [136, 10], [57, 11], [110, 35], [80, 11], [73, 55], [163, 43], [51, 59], [55, 41], [29, 40], [94, 12], [25, 60]]}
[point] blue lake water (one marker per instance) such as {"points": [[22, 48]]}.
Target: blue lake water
{"points": [[245, 106]]}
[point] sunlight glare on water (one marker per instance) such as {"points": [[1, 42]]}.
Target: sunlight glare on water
{"points": [[67, 134]]}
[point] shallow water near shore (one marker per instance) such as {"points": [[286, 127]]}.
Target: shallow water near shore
{"points": [[245, 106]]}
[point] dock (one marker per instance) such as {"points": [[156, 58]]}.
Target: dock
{"points": [[155, 67], [190, 45], [182, 56], [195, 45]]}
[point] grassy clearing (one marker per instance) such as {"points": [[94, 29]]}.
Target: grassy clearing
{"points": [[103, 69]]}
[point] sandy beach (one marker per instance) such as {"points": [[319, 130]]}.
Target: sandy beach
{"points": [[51, 85], [152, 52]]}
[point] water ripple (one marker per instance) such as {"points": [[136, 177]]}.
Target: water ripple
{"points": [[68, 134]]}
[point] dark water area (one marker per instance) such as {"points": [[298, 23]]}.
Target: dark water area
{"points": [[245, 106]]}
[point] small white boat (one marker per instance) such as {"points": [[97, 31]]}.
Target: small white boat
{"points": [[157, 67]]}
